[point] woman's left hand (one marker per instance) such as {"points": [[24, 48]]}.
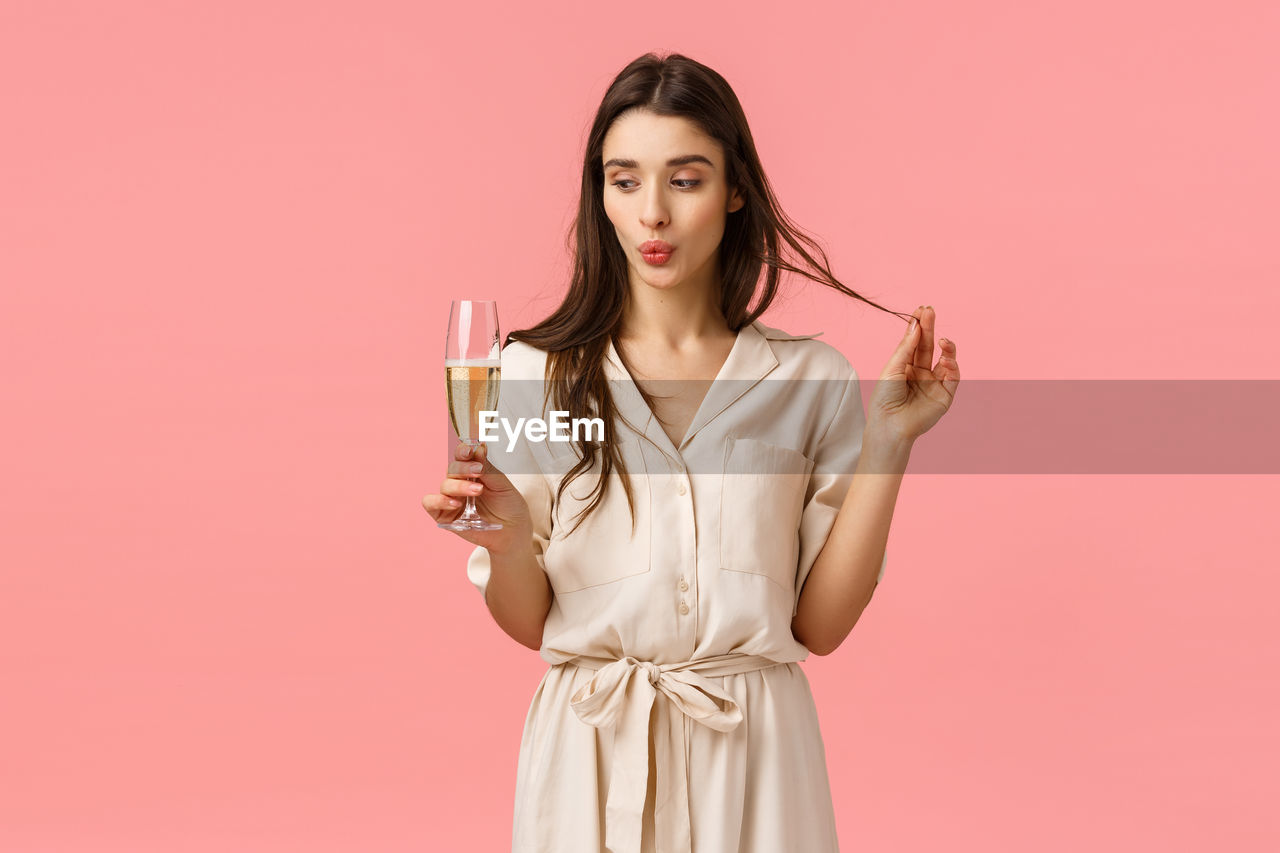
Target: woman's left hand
{"points": [[911, 397]]}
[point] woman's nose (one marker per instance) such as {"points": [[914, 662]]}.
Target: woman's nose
{"points": [[655, 211]]}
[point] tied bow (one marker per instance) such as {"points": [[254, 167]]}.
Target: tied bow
{"points": [[622, 694]]}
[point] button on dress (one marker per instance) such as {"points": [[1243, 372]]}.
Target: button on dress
{"points": [[674, 716]]}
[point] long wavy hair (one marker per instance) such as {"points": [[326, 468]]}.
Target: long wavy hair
{"points": [[576, 335]]}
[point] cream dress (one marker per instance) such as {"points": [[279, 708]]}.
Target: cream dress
{"points": [[674, 716]]}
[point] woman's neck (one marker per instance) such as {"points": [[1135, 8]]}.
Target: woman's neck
{"points": [[671, 319]]}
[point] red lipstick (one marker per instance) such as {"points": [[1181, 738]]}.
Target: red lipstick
{"points": [[656, 252]]}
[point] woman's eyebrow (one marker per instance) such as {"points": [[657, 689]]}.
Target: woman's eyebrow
{"points": [[674, 161]]}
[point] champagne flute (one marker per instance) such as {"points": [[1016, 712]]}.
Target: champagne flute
{"points": [[472, 370]]}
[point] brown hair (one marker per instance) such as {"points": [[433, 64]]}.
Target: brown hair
{"points": [[577, 333]]}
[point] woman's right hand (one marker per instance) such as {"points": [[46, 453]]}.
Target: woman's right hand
{"points": [[497, 500]]}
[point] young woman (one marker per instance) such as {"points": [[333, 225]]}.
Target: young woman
{"points": [[674, 573]]}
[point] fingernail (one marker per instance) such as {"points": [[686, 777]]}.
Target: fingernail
{"points": [[474, 488], [452, 502], [466, 451], [912, 327], [475, 467]]}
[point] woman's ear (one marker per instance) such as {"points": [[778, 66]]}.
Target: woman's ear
{"points": [[736, 202]]}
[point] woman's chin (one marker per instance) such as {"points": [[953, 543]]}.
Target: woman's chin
{"points": [[660, 279]]}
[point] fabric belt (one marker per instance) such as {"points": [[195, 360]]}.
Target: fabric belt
{"points": [[622, 693]]}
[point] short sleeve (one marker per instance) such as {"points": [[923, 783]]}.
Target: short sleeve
{"points": [[835, 458], [519, 396]]}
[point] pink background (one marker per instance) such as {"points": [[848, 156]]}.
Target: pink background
{"points": [[228, 238]]}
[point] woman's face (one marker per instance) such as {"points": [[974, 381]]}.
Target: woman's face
{"points": [[664, 180]]}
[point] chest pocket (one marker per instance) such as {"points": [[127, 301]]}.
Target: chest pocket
{"points": [[761, 500], [602, 549]]}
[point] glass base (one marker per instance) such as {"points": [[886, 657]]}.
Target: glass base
{"points": [[473, 524]]}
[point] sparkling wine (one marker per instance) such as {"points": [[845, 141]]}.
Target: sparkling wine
{"points": [[472, 387], [472, 368]]}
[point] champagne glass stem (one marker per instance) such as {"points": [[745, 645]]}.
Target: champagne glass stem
{"points": [[469, 511]]}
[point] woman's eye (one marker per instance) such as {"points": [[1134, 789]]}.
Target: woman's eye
{"points": [[686, 183]]}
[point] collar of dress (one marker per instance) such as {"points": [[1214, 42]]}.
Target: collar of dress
{"points": [[750, 360]]}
